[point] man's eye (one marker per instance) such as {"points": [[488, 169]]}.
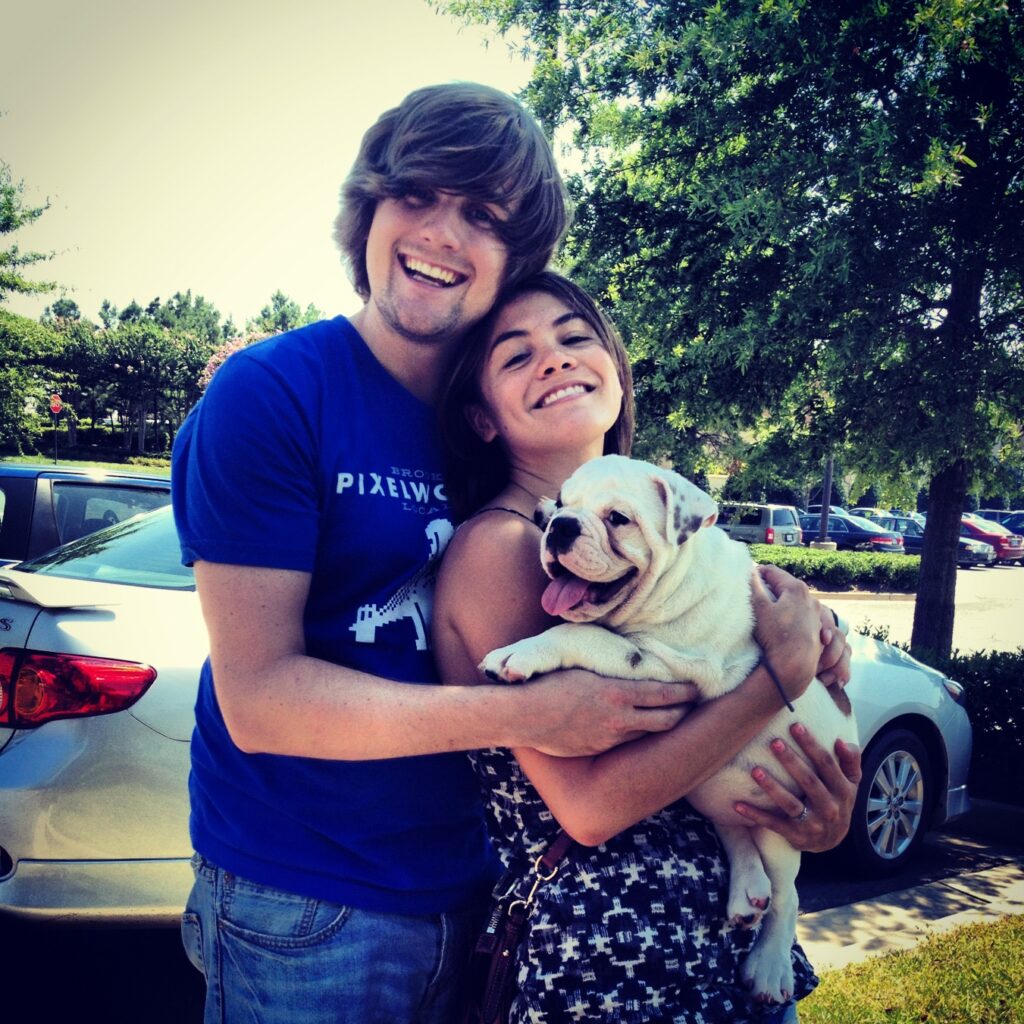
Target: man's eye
{"points": [[481, 216], [617, 519], [418, 196]]}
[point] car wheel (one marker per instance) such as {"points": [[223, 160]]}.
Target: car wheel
{"points": [[890, 814]]}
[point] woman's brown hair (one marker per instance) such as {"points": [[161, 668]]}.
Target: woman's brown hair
{"points": [[477, 471]]}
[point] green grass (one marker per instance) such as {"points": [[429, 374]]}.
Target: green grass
{"points": [[154, 466], [973, 975]]}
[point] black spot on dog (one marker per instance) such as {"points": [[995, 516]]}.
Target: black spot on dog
{"points": [[635, 658], [492, 675], [689, 528]]}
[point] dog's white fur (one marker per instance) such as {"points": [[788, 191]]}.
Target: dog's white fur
{"points": [[676, 593]]}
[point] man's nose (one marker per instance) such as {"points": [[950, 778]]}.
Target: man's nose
{"points": [[441, 225]]}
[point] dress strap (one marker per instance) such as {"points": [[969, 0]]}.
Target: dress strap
{"points": [[502, 508]]}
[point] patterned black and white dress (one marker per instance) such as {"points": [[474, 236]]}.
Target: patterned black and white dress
{"points": [[632, 931]]}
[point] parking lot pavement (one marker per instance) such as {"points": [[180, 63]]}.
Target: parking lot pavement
{"points": [[989, 610], [835, 936]]}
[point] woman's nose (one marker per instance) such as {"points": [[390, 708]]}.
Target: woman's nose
{"points": [[556, 361]]}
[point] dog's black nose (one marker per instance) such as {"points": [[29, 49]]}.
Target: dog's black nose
{"points": [[562, 531]]}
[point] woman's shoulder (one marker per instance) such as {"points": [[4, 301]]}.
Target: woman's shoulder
{"points": [[495, 535]]}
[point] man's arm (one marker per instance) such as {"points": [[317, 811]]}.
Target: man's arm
{"points": [[278, 700]]}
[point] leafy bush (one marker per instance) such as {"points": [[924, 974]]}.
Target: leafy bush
{"points": [[843, 569], [993, 683]]}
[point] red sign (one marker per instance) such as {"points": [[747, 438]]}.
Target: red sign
{"points": [[56, 405]]}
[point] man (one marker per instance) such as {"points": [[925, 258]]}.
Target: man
{"points": [[340, 848]]}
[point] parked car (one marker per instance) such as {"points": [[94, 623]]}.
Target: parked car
{"points": [[997, 515], [100, 647], [1014, 521], [834, 509], [853, 533], [867, 513], [44, 506], [969, 552], [760, 524], [1009, 546]]}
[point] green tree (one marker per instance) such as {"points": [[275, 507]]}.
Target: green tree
{"points": [[807, 217], [26, 347], [282, 314]]}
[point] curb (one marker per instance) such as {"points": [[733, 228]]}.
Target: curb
{"points": [[861, 595], [840, 936]]}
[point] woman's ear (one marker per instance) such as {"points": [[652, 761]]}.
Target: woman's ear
{"points": [[481, 422]]}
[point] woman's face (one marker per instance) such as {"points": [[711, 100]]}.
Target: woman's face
{"points": [[547, 381]]}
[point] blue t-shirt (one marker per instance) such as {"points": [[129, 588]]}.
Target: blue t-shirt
{"points": [[305, 454]]}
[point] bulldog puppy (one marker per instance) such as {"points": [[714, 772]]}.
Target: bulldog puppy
{"points": [[652, 591]]}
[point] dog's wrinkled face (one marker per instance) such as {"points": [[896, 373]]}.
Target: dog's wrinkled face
{"points": [[614, 529]]}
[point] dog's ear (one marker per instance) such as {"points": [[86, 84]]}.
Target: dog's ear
{"points": [[687, 507], [545, 509]]}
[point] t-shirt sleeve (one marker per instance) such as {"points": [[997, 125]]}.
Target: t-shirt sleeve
{"points": [[243, 479]]}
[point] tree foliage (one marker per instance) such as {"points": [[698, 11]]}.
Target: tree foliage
{"points": [[807, 219]]}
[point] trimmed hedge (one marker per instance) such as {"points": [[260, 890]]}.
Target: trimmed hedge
{"points": [[993, 683], [843, 570]]}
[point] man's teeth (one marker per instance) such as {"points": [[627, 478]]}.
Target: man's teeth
{"points": [[429, 271], [575, 389]]}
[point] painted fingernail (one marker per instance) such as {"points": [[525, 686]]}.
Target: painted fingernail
{"points": [[758, 774], [778, 746], [741, 809], [799, 730]]}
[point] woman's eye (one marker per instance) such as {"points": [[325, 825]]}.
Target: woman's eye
{"points": [[576, 339], [515, 360], [617, 519]]}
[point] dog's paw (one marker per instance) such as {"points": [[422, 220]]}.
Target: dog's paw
{"points": [[768, 972], [496, 666], [750, 894]]}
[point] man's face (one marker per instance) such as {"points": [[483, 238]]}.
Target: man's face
{"points": [[434, 263]]}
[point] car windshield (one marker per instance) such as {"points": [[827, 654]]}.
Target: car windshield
{"points": [[140, 552], [866, 525]]}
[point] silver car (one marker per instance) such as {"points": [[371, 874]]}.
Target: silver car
{"points": [[760, 524], [100, 647]]}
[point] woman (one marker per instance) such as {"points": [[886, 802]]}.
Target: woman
{"points": [[633, 927]]}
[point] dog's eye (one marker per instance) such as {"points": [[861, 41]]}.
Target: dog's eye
{"points": [[617, 519]]}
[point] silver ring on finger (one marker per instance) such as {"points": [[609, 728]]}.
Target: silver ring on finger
{"points": [[803, 815]]}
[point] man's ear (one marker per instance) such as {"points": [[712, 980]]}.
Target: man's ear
{"points": [[481, 422]]}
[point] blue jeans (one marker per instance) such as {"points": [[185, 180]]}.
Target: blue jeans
{"points": [[271, 957]]}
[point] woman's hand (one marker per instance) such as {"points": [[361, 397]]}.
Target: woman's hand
{"points": [[834, 663], [821, 819], [787, 626]]}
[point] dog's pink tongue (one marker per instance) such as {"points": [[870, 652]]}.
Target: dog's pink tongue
{"points": [[563, 593]]}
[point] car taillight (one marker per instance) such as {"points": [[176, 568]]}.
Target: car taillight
{"points": [[769, 536], [37, 688]]}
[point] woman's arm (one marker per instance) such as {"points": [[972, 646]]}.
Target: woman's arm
{"points": [[489, 595]]}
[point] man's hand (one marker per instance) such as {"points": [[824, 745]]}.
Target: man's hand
{"points": [[829, 785], [574, 713]]}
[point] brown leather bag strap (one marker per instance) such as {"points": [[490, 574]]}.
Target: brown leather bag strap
{"points": [[560, 846]]}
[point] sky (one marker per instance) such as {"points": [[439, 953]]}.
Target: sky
{"points": [[202, 145]]}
